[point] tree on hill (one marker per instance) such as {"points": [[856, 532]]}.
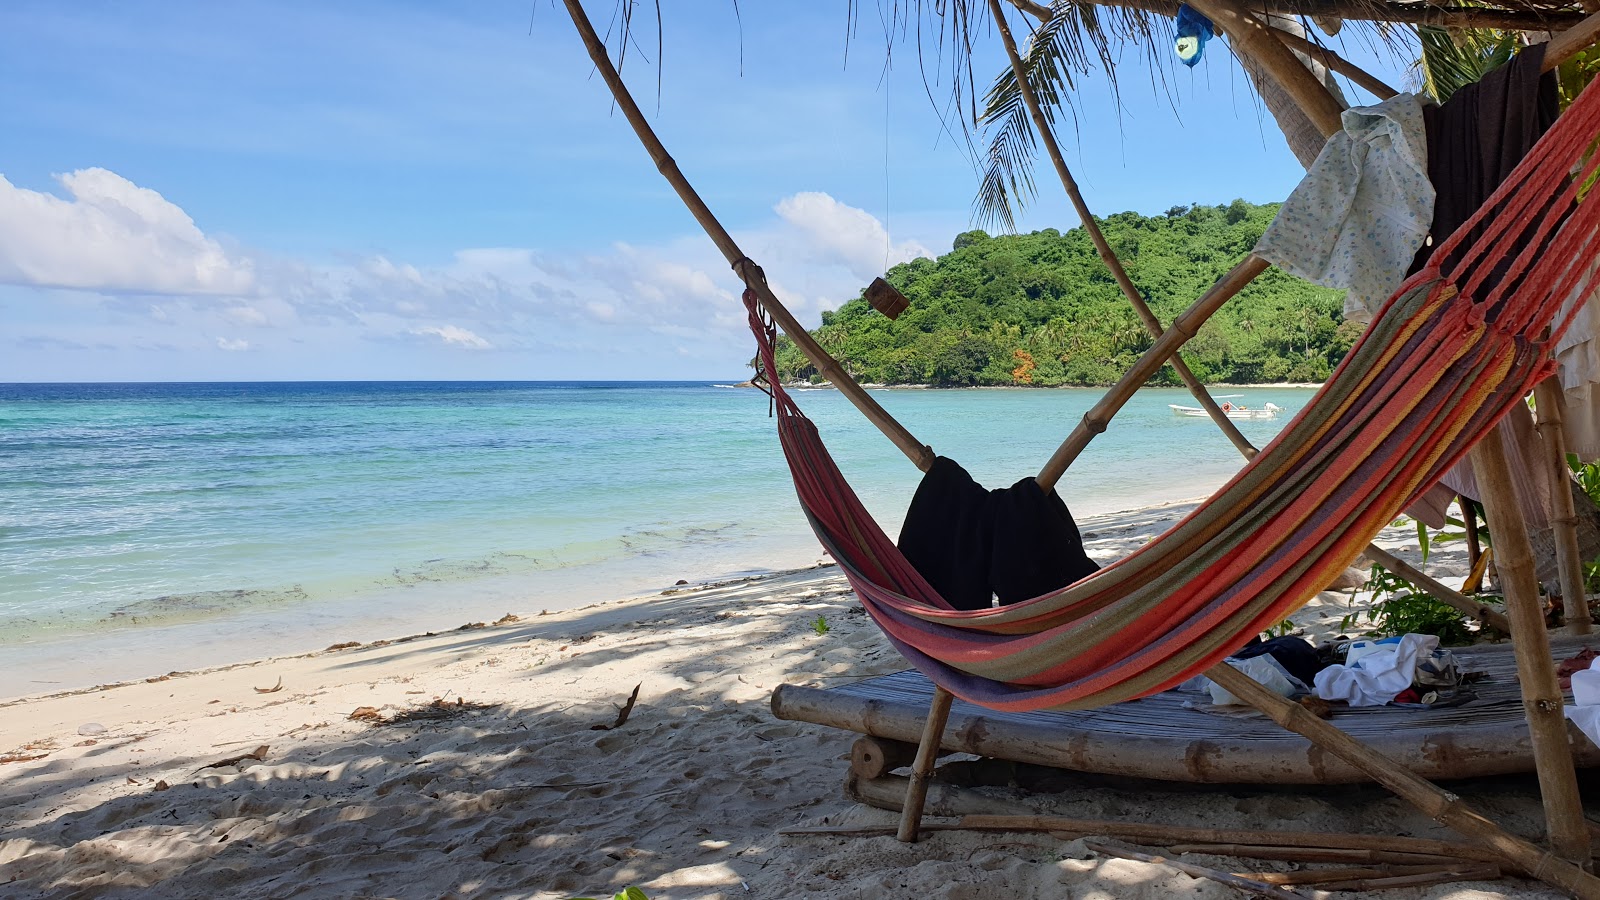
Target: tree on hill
{"points": [[991, 303]]}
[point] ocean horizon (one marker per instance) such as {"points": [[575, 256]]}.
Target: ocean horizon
{"points": [[200, 522]]}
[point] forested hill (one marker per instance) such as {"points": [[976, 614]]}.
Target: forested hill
{"points": [[1041, 309]]}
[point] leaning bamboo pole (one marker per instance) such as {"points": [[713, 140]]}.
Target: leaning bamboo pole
{"points": [[1563, 517], [922, 766], [1337, 63], [1253, 37], [1442, 806], [1536, 671], [919, 453], [1091, 227], [1183, 328]]}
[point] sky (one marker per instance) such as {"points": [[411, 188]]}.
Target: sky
{"points": [[412, 190]]}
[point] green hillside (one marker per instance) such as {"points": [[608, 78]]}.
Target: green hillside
{"points": [[1041, 309]]}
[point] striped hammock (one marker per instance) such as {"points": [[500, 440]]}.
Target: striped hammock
{"points": [[1455, 347]]}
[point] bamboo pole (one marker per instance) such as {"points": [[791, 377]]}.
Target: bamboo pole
{"points": [[922, 768], [1563, 518], [1445, 594], [1092, 228], [1337, 63], [1568, 43], [1469, 516], [1420, 879], [1239, 883], [1183, 328], [917, 452], [1443, 807], [1438, 15], [1541, 695], [1252, 37]]}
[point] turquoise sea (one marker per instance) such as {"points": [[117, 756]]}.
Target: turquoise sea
{"points": [[148, 527]]}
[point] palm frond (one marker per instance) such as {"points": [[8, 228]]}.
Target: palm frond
{"points": [[1453, 59]]}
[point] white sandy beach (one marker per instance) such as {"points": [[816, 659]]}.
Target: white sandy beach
{"points": [[500, 786]]}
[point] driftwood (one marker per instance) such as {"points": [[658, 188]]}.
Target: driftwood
{"points": [[872, 757], [623, 711], [1327, 876], [1318, 854], [1420, 879]]}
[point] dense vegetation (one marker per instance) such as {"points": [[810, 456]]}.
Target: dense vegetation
{"points": [[1041, 309]]}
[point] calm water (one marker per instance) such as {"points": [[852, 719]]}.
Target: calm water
{"points": [[235, 520]]}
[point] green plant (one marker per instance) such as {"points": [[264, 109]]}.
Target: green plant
{"points": [[1400, 607], [820, 626], [1281, 629], [627, 893]]}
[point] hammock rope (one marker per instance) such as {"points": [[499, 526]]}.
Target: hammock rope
{"points": [[1456, 346]]}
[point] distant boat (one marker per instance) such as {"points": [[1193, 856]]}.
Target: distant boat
{"points": [[1231, 410]]}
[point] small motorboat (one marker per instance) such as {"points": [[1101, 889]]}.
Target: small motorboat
{"points": [[1231, 410]]}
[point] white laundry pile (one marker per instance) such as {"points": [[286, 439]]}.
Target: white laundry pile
{"points": [[1585, 711], [1363, 210], [1375, 678]]}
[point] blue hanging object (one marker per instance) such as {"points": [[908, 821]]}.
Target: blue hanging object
{"points": [[1194, 30]]}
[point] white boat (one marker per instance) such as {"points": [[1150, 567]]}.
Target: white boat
{"points": [[1231, 410]]}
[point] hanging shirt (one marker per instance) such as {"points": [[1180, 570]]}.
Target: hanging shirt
{"points": [[973, 544], [1363, 209]]}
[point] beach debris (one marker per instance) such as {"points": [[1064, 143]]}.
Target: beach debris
{"points": [[470, 626], [507, 619], [366, 714], [344, 645], [160, 786], [258, 754], [272, 690], [623, 711], [86, 742], [20, 756], [681, 581], [440, 708], [89, 728]]}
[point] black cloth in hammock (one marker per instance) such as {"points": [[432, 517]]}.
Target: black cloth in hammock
{"points": [[972, 544]]}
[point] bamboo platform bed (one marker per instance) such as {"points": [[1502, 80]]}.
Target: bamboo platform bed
{"points": [[1159, 738]]}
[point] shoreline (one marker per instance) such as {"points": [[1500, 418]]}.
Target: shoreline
{"points": [[489, 761]]}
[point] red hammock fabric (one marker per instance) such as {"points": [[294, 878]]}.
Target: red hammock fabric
{"points": [[1452, 351]]}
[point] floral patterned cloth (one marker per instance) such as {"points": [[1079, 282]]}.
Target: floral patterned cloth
{"points": [[1363, 210]]}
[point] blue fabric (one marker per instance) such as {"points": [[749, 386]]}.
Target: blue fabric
{"points": [[1194, 30]]}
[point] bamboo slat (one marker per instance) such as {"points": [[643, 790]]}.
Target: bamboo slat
{"points": [[1161, 738]]}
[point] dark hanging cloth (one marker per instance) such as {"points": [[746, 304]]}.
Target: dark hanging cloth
{"points": [[971, 544], [1296, 655], [1480, 134]]}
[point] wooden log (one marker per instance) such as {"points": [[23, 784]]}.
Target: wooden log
{"points": [[1563, 517], [1183, 328], [1251, 36], [888, 792], [1119, 274], [871, 757], [1446, 594], [919, 454], [922, 766], [1541, 695], [1420, 879], [1255, 888], [1443, 807]]}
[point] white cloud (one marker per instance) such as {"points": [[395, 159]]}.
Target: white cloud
{"points": [[245, 315], [231, 345], [111, 236], [454, 336], [849, 235]]}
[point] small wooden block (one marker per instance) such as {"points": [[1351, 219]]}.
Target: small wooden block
{"points": [[885, 299]]}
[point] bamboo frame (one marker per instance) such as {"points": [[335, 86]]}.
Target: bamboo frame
{"points": [[1399, 13], [1445, 594], [1563, 517], [1337, 63], [1107, 256], [1541, 695], [1568, 832]]}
